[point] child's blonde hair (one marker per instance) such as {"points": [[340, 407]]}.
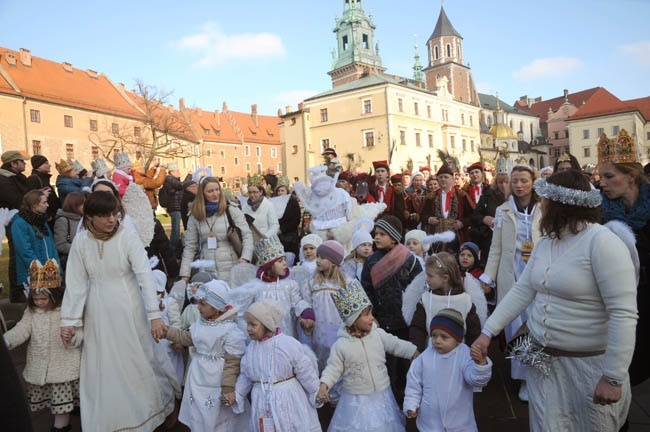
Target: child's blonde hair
{"points": [[334, 273], [444, 264]]}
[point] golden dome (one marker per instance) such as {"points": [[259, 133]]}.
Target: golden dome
{"points": [[501, 131]]}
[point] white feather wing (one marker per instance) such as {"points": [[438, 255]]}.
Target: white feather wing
{"points": [[412, 296]]}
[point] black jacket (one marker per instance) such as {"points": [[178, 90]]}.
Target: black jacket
{"points": [[174, 187], [386, 299], [159, 247], [13, 187], [40, 180]]}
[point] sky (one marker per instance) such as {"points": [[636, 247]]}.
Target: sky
{"points": [[275, 53]]}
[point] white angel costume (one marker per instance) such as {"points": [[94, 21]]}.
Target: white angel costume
{"points": [[283, 377]]}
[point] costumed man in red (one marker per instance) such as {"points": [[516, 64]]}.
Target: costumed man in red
{"points": [[383, 189], [426, 172], [448, 211], [415, 199], [397, 203]]}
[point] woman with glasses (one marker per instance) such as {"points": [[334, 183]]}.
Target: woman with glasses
{"points": [[110, 295], [260, 211]]}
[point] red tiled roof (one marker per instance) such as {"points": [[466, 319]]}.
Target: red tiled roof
{"points": [[541, 108], [601, 103], [234, 127], [217, 125], [267, 130], [642, 104], [165, 117], [48, 81]]}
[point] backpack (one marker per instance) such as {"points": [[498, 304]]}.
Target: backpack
{"points": [[163, 197]]}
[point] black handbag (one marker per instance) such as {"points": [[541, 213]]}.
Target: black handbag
{"points": [[234, 234]]}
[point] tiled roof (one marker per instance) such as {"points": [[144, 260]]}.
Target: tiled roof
{"points": [[370, 80], [490, 102], [444, 27], [541, 108], [166, 117], [60, 83], [642, 104], [601, 103], [234, 127]]}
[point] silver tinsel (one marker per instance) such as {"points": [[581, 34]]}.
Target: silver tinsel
{"points": [[530, 354], [569, 196]]}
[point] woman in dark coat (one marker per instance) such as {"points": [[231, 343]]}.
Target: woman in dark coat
{"points": [[483, 215], [289, 221]]}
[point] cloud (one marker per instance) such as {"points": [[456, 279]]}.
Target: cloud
{"points": [[215, 48], [292, 97], [547, 67], [485, 88], [639, 53]]}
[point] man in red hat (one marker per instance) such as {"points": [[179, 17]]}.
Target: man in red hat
{"points": [[426, 172], [397, 203], [449, 210], [346, 181], [476, 185], [383, 189]]}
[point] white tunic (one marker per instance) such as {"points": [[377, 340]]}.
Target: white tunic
{"points": [[328, 321], [112, 296], [201, 408], [286, 292], [284, 382], [172, 318]]}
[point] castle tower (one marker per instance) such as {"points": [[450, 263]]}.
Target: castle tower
{"points": [[356, 55], [445, 50], [418, 75]]}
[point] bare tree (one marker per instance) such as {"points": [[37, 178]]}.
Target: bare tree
{"points": [[164, 132]]}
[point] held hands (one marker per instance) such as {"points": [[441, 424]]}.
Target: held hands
{"points": [[489, 221], [66, 335], [228, 399], [433, 220], [323, 394], [606, 393], [480, 345], [486, 288], [478, 356], [412, 414], [158, 329]]}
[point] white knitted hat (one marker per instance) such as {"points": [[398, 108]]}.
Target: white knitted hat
{"points": [[268, 312]]}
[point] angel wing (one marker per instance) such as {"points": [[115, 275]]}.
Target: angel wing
{"points": [[244, 295], [178, 293], [473, 288], [304, 193], [280, 204], [5, 217], [371, 210], [412, 295], [137, 206], [303, 277], [625, 233], [242, 274], [443, 237]]}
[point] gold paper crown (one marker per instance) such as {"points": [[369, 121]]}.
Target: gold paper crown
{"points": [[44, 276], [621, 149], [350, 301], [284, 181], [256, 180], [268, 249]]}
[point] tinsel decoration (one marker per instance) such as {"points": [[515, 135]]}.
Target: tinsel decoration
{"points": [[568, 196], [530, 354]]}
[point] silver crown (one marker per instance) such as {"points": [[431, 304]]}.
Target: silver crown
{"points": [[122, 159], [100, 167], [350, 301], [268, 249]]}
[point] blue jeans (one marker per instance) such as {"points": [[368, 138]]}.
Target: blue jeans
{"points": [[175, 237]]}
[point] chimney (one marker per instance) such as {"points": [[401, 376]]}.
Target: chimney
{"points": [[181, 104], [91, 73], [566, 93], [289, 109], [25, 57], [254, 115], [11, 58], [217, 117], [67, 67], [122, 87], [301, 106], [224, 107]]}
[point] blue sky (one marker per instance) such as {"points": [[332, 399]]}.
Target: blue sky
{"points": [[276, 53]]}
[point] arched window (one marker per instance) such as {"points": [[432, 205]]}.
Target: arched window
{"points": [[448, 50], [436, 52]]}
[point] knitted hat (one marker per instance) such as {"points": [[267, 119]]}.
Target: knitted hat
{"points": [[414, 234], [351, 301], [392, 226], [268, 312], [450, 321], [215, 293], [472, 247], [160, 280], [100, 167], [63, 167], [360, 237], [38, 160], [172, 166], [332, 251], [312, 240]]}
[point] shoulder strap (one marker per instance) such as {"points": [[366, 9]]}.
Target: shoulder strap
{"points": [[230, 223]]}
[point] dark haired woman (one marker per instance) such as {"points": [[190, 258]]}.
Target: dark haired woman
{"points": [[288, 212], [626, 197], [31, 234], [206, 236], [581, 284], [110, 294]]}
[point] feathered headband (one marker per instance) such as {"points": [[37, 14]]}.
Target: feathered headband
{"points": [[443, 237]]}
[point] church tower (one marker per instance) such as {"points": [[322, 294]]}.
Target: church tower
{"points": [[445, 50], [356, 55]]}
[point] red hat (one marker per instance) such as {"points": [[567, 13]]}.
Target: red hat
{"points": [[475, 165], [406, 172], [425, 168], [396, 178], [347, 176], [444, 169], [381, 164]]}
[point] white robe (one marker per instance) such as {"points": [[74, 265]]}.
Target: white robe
{"points": [[284, 382], [124, 384], [286, 292]]}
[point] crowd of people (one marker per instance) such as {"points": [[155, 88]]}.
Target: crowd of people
{"points": [[356, 302]]}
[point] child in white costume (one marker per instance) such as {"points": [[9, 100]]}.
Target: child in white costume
{"points": [[51, 371], [281, 372], [308, 246], [171, 316], [361, 250], [440, 382], [219, 346], [359, 357]]}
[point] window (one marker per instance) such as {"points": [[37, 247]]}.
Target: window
{"points": [[69, 151], [367, 106], [402, 137], [556, 135], [67, 121], [448, 50], [601, 131], [247, 150], [258, 151], [566, 133], [323, 114], [236, 160], [324, 143], [436, 52], [416, 108], [558, 151], [345, 43], [429, 111], [93, 125], [35, 116], [206, 131], [431, 140], [648, 135], [259, 168], [464, 145], [586, 152], [223, 170], [136, 131], [36, 147], [471, 120], [115, 129], [400, 105], [615, 130], [369, 138], [274, 152], [365, 41], [452, 141], [279, 169], [248, 167], [462, 119], [585, 134], [417, 139], [471, 144]]}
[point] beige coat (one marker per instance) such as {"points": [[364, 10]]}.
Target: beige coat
{"points": [[48, 361], [500, 265]]}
